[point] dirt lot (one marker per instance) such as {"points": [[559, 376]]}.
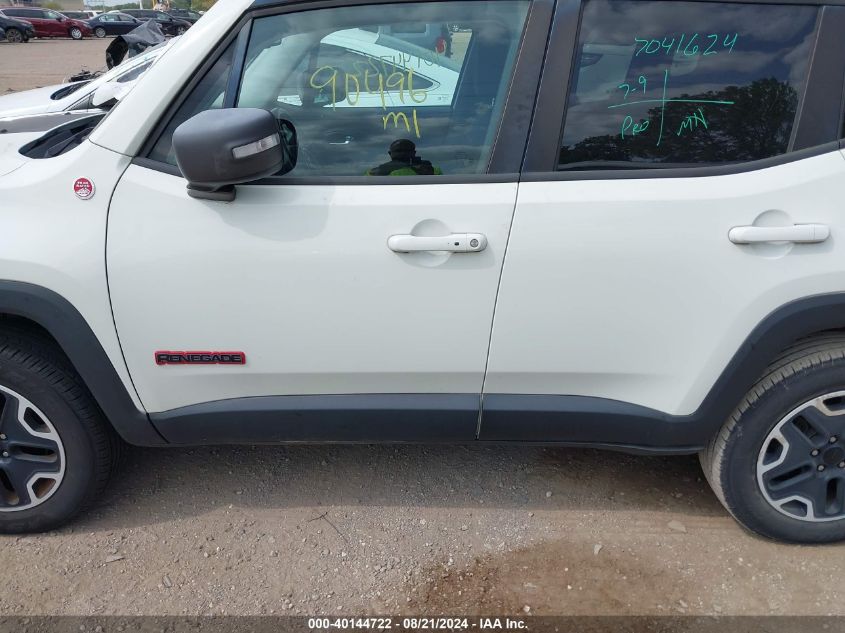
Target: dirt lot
{"points": [[390, 530], [411, 529], [45, 62]]}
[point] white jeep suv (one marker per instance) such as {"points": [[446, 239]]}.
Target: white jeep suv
{"points": [[606, 223]]}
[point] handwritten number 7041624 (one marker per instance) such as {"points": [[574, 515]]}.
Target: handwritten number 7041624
{"points": [[687, 46]]}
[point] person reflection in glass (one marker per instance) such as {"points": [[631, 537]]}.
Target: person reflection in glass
{"points": [[404, 162]]}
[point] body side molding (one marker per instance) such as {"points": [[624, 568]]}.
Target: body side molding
{"points": [[68, 327], [367, 418]]}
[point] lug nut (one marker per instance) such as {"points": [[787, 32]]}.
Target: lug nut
{"points": [[842, 464], [5, 453], [814, 452], [2, 436], [820, 467], [832, 440]]}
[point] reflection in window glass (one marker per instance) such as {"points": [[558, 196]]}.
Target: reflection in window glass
{"points": [[387, 89], [697, 83], [136, 72]]}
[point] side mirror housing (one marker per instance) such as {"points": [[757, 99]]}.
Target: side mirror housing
{"points": [[218, 149]]}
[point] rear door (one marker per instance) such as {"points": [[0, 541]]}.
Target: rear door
{"points": [[625, 289], [343, 335]]}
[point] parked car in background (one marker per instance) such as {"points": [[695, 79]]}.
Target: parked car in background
{"points": [[113, 24], [169, 25], [77, 95], [16, 30], [189, 15], [77, 15], [49, 23]]}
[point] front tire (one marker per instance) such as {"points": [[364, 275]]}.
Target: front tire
{"points": [[56, 450], [100, 32], [180, 30], [75, 33], [778, 463], [14, 36]]}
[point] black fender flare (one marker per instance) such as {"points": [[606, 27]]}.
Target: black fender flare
{"points": [[77, 340]]}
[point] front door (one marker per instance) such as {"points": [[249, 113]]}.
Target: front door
{"points": [[296, 276]]}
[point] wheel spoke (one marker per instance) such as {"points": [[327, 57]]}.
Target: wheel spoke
{"points": [[815, 424], [31, 457], [17, 476], [799, 436], [20, 434], [782, 480]]}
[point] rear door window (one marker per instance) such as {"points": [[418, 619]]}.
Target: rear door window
{"points": [[695, 84]]}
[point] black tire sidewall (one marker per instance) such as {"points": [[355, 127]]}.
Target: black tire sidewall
{"points": [[739, 464], [80, 456], [19, 39]]}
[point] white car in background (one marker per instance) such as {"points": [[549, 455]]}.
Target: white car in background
{"points": [[345, 57], [77, 95]]}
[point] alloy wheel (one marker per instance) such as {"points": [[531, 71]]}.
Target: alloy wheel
{"points": [[801, 466], [76, 34], [32, 458], [100, 31], [14, 36]]}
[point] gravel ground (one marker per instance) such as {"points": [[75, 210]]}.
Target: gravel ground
{"points": [[400, 530], [46, 62], [411, 529]]}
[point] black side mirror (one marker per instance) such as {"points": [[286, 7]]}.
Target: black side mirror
{"points": [[218, 149]]}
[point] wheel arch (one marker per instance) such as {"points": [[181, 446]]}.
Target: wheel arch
{"points": [[51, 317], [789, 325]]}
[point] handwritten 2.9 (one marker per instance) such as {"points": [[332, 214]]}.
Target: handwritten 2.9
{"points": [[709, 44]]}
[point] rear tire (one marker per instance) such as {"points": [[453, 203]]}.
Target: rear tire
{"points": [[14, 36], [778, 463], [180, 30], [100, 32], [75, 33], [56, 450]]}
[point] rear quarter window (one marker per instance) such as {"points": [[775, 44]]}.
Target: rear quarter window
{"points": [[685, 83]]}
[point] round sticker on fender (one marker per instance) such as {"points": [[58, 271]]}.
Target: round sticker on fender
{"points": [[83, 188]]}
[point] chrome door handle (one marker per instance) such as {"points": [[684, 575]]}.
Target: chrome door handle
{"points": [[454, 243], [799, 233]]}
